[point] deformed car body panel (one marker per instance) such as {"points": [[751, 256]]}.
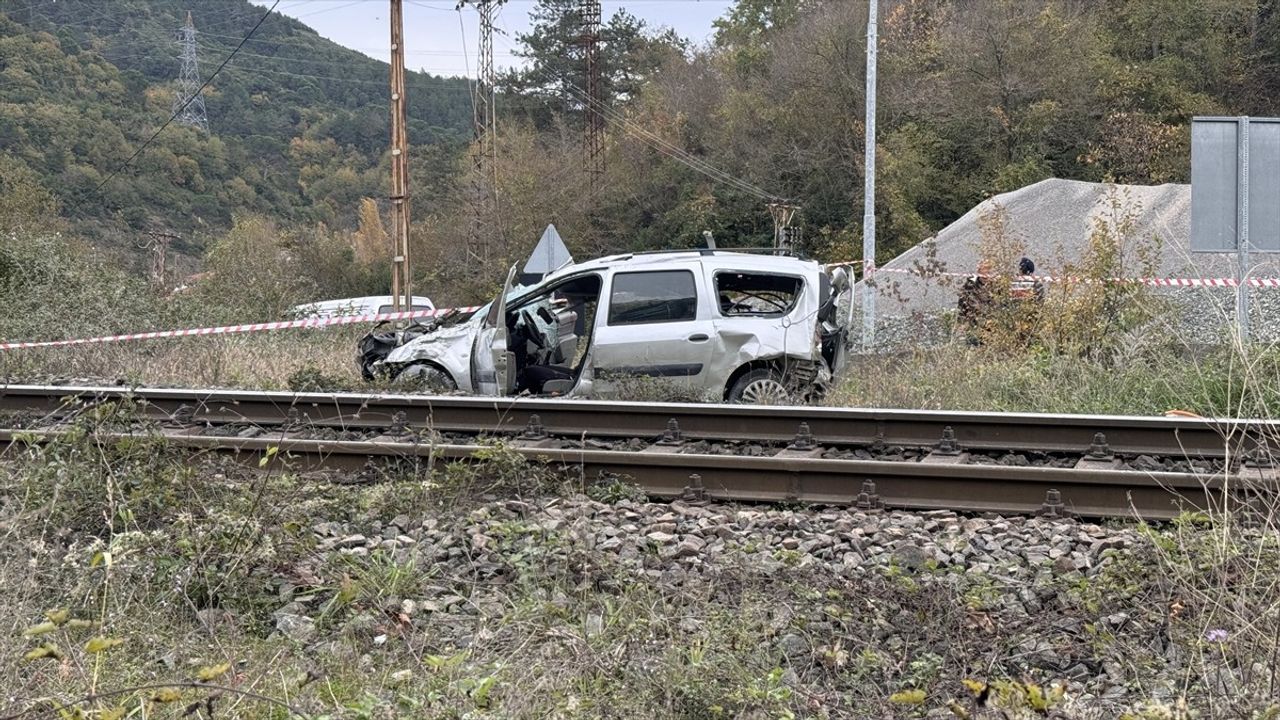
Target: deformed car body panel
{"points": [[448, 348], [745, 338]]}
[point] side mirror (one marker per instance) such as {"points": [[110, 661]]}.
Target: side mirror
{"points": [[840, 279]]}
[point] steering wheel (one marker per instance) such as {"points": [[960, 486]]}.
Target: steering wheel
{"points": [[531, 330]]}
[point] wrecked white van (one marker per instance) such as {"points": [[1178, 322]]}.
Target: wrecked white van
{"points": [[728, 325]]}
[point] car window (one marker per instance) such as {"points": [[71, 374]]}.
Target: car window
{"points": [[756, 294], [651, 297]]}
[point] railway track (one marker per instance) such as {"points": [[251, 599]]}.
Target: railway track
{"points": [[1093, 466]]}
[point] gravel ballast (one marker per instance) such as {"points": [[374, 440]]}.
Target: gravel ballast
{"points": [[1013, 582]]}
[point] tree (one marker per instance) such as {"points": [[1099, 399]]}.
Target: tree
{"points": [[24, 201], [370, 240], [629, 54]]}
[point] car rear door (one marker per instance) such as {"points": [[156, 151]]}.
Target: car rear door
{"points": [[657, 324]]}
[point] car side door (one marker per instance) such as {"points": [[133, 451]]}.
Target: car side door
{"points": [[492, 364], [657, 324]]}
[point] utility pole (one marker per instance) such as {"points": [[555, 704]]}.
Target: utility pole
{"points": [[869, 195], [593, 119], [401, 292], [188, 103]]}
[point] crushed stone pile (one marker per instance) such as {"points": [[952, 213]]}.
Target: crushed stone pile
{"points": [[1054, 219]]}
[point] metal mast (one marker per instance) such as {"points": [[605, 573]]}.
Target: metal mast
{"points": [[188, 103], [593, 119], [869, 194], [401, 291]]}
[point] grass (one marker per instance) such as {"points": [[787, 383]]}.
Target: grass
{"points": [[280, 360], [1145, 381], [185, 565]]}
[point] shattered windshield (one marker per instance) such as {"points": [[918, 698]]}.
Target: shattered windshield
{"points": [[515, 292]]}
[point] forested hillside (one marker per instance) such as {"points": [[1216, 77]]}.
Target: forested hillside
{"points": [[975, 98], [298, 125]]}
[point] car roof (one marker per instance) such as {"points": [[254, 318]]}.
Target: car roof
{"points": [[717, 259]]}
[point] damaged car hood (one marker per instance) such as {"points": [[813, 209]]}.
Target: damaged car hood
{"points": [[444, 343]]}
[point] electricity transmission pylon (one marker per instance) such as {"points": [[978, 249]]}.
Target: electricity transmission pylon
{"points": [[188, 103], [593, 135], [485, 120], [482, 193]]}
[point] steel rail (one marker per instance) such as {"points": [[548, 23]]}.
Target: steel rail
{"points": [[908, 485], [1166, 436]]}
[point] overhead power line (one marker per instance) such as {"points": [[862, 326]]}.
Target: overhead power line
{"points": [[670, 150], [338, 63], [657, 143], [438, 84], [189, 100]]}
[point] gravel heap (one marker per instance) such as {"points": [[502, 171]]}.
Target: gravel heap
{"points": [[1054, 219], [1016, 576]]}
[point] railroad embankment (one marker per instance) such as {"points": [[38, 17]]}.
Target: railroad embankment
{"points": [[495, 590]]}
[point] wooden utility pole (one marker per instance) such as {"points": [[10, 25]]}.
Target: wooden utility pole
{"points": [[401, 291]]}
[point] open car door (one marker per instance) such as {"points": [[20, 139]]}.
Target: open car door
{"points": [[493, 365]]}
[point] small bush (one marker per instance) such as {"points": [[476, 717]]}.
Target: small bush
{"points": [[311, 378]]}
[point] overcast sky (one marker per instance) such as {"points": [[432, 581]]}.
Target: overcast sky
{"points": [[435, 31]]}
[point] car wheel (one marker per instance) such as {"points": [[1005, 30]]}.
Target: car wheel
{"points": [[761, 386], [426, 378]]}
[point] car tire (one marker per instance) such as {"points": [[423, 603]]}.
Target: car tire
{"points": [[427, 378], [761, 386]]}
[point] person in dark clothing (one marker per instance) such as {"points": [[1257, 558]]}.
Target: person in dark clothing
{"points": [[991, 304], [975, 299], [1024, 288]]}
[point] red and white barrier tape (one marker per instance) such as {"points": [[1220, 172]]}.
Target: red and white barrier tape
{"points": [[232, 329], [1269, 282], [849, 263]]}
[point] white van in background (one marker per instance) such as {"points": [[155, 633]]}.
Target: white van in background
{"points": [[372, 305]]}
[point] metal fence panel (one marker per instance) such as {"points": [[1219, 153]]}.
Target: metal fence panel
{"points": [[1216, 163], [1214, 151], [1264, 186]]}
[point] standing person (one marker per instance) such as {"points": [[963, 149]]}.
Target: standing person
{"points": [[1027, 287], [975, 301]]}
